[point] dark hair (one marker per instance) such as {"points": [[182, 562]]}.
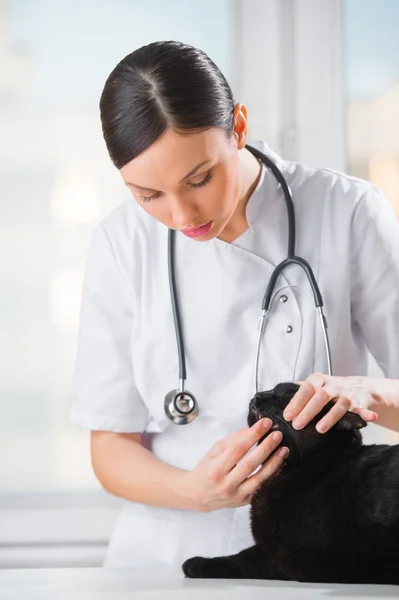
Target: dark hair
{"points": [[162, 85]]}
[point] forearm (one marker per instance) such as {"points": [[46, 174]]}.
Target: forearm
{"points": [[128, 470], [386, 401]]}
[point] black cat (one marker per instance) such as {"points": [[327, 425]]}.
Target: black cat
{"points": [[331, 513]]}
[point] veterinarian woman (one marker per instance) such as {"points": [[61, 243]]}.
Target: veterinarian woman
{"points": [[178, 138]]}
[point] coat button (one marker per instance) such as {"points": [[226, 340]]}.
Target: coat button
{"points": [[283, 298], [288, 329]]}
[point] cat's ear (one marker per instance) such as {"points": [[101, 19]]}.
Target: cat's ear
{"points": [[350, 421]]}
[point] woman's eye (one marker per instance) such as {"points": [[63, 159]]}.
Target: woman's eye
{"points": [[149, 198], [201, 184]]}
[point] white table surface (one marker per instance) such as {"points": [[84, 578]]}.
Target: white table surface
{"points": [[128, 584]]}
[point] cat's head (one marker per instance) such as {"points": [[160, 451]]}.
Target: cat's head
{"points": [[272, 403]]}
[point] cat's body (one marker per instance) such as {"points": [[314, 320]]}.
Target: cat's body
{"points": [[330, 515]]}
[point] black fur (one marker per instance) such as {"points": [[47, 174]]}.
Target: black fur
{"points": [[331, 514]]}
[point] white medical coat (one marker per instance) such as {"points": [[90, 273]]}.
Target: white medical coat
{"points": [[127, 359]]}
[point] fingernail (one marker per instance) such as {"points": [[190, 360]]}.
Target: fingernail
{"points": [[277, 435], [321, 427], [297, 424], [267, 423], [284, 452], [288, 415]]}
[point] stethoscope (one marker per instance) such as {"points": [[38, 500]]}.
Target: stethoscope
{"points": [[181, 406]]}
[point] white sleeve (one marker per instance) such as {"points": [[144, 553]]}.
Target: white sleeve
{"points": [[104, 393], [375, 278]]}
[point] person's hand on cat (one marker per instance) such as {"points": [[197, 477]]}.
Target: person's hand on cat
{"points": [[225, 477], [348, 393]]}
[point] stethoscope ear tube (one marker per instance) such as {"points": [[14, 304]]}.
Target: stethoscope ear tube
{"points": [[287, 196], [175, 306], [181, 406], [295, 260]]}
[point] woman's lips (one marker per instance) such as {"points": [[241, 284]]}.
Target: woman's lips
{"points": [[198, 231]]}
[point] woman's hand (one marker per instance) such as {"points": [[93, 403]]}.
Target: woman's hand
{"points": [[348, 393], [225, 477]]}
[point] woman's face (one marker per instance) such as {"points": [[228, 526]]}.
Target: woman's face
{"points": [[188, 181]]}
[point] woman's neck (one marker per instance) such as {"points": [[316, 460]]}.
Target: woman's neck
{"points": [[250, 174]]}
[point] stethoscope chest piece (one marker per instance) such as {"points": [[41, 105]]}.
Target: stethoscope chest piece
{"points": [[181, 407]]}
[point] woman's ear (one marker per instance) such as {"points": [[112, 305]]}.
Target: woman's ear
{"points": [[240, 116]]}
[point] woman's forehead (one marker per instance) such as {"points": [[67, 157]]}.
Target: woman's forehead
{"points": [[170, 158]]}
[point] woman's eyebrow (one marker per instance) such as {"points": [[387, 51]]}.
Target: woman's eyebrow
{"points": [[189, 174]]}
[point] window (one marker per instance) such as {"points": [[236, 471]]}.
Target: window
{"points": [[56, 182], [371, 67]]}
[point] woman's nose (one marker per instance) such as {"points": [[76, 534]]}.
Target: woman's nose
{"points": [[184, 215]]}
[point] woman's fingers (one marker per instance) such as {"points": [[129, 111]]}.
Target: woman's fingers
{"points": [[254, 459], [368, 415], [238, 444], [312, 408], [346, 392], [271, 466], [340, 408], [299, 401]]}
